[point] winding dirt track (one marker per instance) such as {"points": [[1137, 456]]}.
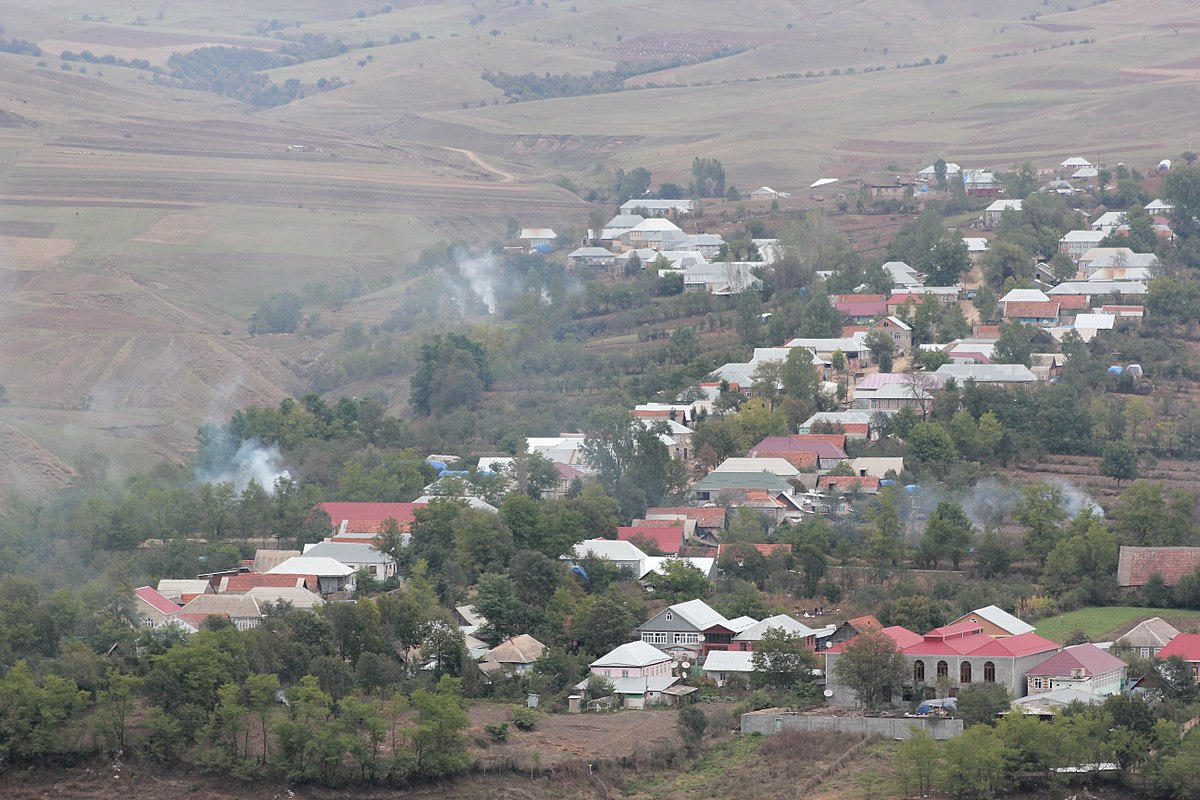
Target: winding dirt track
{"points": [[505, 177]]}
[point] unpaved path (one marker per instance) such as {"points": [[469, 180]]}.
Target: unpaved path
{"points": [[505, 177]]}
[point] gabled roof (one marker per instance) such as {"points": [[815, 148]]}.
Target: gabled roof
{"points": [[986, 373], [668, 540], [298, 596], [782, 621], [1025, 296], [241, 584], [1047, 310], [1153, 632], [655, 564], [718, 481], [1002, 619], [523, 649], [1091, 659], [796, 444], [321, 567], [1082, 236], [1186, 645], [264, 560], [536, 233], [232, 605], [846, 483], [698, 613], [633, 654], [774, 466], [728, 661], [155, 600], [1099, 322], [1136, 564], [347, 553], [705, 517], [1005, 205], [611, 549], [368, 517]]}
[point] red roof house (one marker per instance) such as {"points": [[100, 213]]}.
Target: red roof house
{"points": [[367, 517], [861, 308], [240, 584], [667, 540], [843, 484], [1187, 647], [1032, 312], [1136, 564], [1084, 667], [712, 518]]}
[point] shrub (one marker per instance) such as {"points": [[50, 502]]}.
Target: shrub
{"points": [[497, 730], [526, 719]]}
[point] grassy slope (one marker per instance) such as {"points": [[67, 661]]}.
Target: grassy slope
{"points": [[383, 185], [1100, 623]]}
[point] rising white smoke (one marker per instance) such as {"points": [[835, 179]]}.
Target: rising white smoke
{"points": [[481, 273], [1075, 500], [253, 461]]}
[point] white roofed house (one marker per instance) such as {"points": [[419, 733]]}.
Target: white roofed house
{"points": [[1076, 243], [1075, 162], [679, 629], [332, 576], [995, 212], [639, 673], [722, 277], [619, 225], [625, 555], [540, 239], [903, 276], [1108, 221], [655, 234], [745, 640], [767, 193], [596, 257], [356, 556], [989, 374], [657, 208]]}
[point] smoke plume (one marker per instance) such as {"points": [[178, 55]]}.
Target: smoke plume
{"points": [[253, 461]]}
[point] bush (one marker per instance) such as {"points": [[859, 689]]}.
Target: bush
{"points": [[497, 730], [526, 719]]}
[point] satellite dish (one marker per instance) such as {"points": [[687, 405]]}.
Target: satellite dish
{"points": [[685, 665], [829, 692]]}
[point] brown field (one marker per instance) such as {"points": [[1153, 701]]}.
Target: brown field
{"points": [[178, 229], [176, 212]]}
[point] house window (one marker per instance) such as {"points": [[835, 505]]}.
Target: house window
{"points": [[918, 671], [670, 616], [1037, 683], [943, 669], [989, 672], [964, 672], [654, 638], [687, 638], [624, 673]]}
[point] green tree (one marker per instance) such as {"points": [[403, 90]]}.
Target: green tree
{"points": [[975, 766], [872, 667], [981, 703], [677, 580], [1041, 510], [948, 534], [438, 743], [1182, 190], [1119, 461], [883, 349], [783, 661], [916, 763], [692, 723], [452, 372], [930, 443], [1015, 345], [497, 601], [279, 313]]}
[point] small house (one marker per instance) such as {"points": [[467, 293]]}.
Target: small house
{"points": [[1149, 637], [1084, 667]]}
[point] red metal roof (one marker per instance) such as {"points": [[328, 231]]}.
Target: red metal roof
{"points": [[861, 308], [773, 445], [1136, 564], [955, 630], [1032, 310], [1186, 645], [368, 517], [1091, 659], [240, 584], [705, 517], [668, 540], [1074, 301], [155, 599], [867, 622]]}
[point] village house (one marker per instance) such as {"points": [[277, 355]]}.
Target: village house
{"points": [[666, 540], [243, 610], [706, 244], [746, 639], [899, 331], [618, 225], [680, 629], [848, 484], [625, 555], [1187, 647], [722, 278], [803, 453], [954, 656], [365, 518], [722, 665], [378, 564], [153, 609], [930, 173], [248, 581], [1135, 565], [877, 466], [182, 591], [767, 193], [1076, 243], [332, 575], [860, 309], [995, 212], [638, 672], [995, 622], [854, 424], [1083, 667], [514, 656], [1149, 637], [779, 467], [1039, 314], [591, 257], [851, 628], [717, 486], [903, 276], [657, 208], [981, 183], [655, 234], [541, 240], [989, 374], [710, 521], [654, 566]]}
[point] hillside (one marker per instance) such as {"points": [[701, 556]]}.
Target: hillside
{"points": [[143, 223]]}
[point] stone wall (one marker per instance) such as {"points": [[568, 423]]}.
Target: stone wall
{"points": [[768, 722]]}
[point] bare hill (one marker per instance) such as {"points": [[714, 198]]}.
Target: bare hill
{"points": [[141, 223]]}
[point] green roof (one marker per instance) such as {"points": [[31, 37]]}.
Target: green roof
{"points": [[716, 481]]}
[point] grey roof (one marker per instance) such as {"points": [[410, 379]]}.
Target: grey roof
{"points": [[632, 654], [657, 683], [523, 649], [1094, 288], [235, 605], [611, 549], [265, 560], [782, 621], [1005, 205], [729, 661], [1002, 619], [716, 481], [986, 373], [591, 252], [298, 596], [699, 613], [321, 566], [1153, 632], [348, 553]]}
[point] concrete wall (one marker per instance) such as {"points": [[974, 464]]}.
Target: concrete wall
{"points": [[889, 727]]}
